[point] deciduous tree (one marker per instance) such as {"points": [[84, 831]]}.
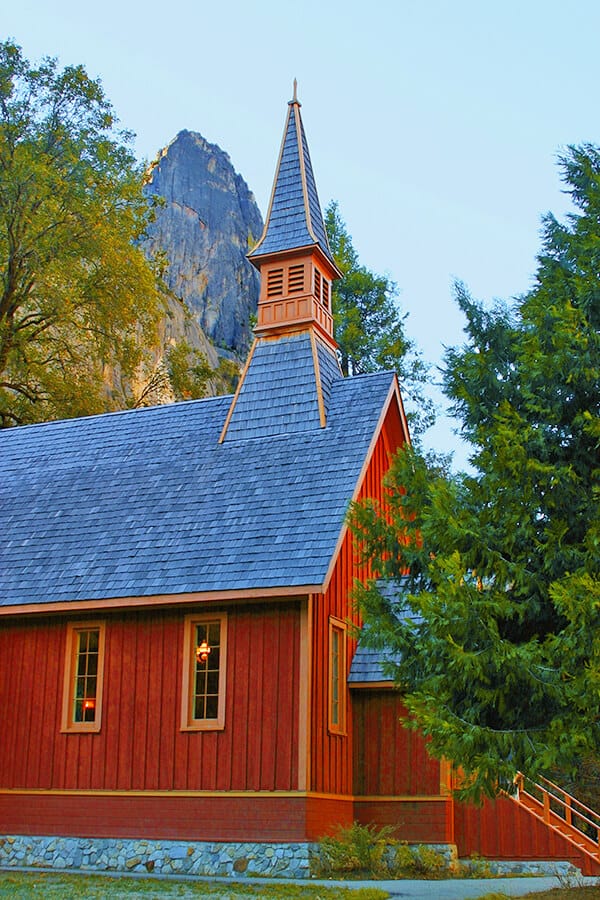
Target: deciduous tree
{"points": [[78, 300]]}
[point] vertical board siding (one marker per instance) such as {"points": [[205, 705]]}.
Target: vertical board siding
{"points": [[268, 818], [332, 754], [421, 822], [140, 745], [501, 829], [388, 758]]}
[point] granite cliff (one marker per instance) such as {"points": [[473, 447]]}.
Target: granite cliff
{"points": [[204, 230]]}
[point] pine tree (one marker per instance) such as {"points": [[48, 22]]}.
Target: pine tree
{"points": [[498, 622], [370, 327]]}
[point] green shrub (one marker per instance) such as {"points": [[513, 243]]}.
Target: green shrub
{"points": [[419, 861], [354, 850], [368, 851], [476, 867]]}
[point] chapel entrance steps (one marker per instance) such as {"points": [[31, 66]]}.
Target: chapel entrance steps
{"points": [[565, 816]]}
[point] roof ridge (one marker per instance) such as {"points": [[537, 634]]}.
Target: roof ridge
{"points": [[371, 374], [113, 412]]}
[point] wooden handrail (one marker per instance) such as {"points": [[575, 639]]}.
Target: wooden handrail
{"points": [[570, 807], [572, 799]]}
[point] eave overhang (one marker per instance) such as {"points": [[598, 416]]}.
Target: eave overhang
{"points": [[162, 600]]}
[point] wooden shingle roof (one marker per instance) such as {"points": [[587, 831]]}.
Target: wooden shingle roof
{"points": [[148, 502], [294, 218]]}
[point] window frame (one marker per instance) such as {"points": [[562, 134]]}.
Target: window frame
{"points": [[68, 723], [337, 675], [188, 723]]}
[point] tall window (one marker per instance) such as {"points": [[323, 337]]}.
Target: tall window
{"points": [[204, 666], [337, 676], [84, 664]]}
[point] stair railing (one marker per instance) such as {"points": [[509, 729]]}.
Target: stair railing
{"points": [[554, 800]]}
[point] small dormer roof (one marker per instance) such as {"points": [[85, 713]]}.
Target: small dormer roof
{"points": [[294, 218]]}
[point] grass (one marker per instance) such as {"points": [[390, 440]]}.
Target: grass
{"points": [[58, 886], [577, 892]]}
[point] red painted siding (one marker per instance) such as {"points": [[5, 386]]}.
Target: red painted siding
{"points": [[420, 821], [501, 829], [325, 814], [332, 754], [331, 768], [268, 818], [140, 745], [388, 758]]}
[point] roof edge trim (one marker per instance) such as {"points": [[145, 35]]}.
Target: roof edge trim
{"points": [[184, 599], [393, 393], [273, 189], [302, 162], [237, 392], [319, 385]]}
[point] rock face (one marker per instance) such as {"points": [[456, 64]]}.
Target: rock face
{"points": [[205, 228]]}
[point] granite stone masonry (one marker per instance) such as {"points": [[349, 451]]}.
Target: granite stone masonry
{"points": [[161, 857], [208, 858]]}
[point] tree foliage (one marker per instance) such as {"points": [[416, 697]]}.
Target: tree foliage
{"points": [[78, 300], [186, 374], [498, 621], [369, 326]]}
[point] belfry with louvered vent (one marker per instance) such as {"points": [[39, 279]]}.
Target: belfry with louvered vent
{"points": [[292, 364], [293, 254]]}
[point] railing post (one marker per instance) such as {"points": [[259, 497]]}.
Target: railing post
{"points": [[546, 807], [519, 780]]}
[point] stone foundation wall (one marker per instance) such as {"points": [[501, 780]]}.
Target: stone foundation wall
{"points": [[161, 857], [212, 858]]}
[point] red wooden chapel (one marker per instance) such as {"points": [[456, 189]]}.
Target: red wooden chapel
{"points": [[177, 660]]}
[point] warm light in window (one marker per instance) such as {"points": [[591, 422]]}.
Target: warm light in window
{"points": [[89, 704], [202, 651]]}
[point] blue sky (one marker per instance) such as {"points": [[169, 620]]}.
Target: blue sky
{"points": [[435, 125]]}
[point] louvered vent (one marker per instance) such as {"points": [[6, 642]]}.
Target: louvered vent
{"points": [[325, 294], [317, 287], [295, 279], [275, 283]]}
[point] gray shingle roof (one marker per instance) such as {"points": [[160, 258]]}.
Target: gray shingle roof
{"points": [[279, 391], [148, 502], [370, 665], [292, 222]]}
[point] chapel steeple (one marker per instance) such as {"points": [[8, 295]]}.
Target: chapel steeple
{"points": [[287, 382], [293, 253]]}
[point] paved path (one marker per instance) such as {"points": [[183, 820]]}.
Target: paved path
{"points": [[458, 889], [450, 889]]}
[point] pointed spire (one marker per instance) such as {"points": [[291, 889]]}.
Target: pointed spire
{"points": [[293, 363], [294, 218]]}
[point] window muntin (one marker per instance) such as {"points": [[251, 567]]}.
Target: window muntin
{"points": [[337, 676], [203, 693], [84, 665]]}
